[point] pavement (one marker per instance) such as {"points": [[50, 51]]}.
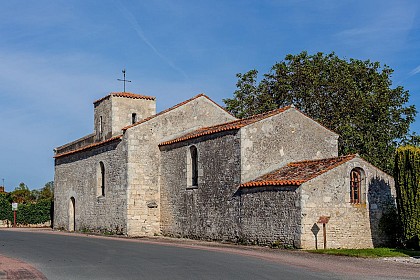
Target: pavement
{"points": [[379, 268], [14, 269]]}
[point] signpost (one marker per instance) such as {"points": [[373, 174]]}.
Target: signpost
{"points": [[14, 209], [324, 221]]}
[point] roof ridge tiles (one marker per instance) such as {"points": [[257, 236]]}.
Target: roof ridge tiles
{"points": [[350, 156], [126, 94], [281, 109], [297, 173]]}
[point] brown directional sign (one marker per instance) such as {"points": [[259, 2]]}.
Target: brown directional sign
{"points": [[323, 220]]}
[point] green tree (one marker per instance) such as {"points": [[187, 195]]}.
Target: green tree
{"points": [[354, 98], [21, 194], [407, 185], [47, 192], [411, 140]]}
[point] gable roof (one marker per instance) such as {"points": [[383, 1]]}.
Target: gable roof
{"points": [[174, 107], [232, 125], [127, 95], [297, 173]]}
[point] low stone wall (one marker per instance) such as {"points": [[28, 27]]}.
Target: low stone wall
{"points": [[7, 223], [269, 216]]}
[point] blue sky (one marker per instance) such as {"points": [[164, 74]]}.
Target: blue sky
{"points": [[57, 57]]}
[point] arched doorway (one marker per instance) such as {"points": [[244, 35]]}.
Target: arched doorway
{"points": [[72, 214]]}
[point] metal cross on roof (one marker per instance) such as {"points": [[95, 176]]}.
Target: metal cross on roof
{"points": [[124, 80]]}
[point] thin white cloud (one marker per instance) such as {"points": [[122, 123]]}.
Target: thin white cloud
{"points": [[415, 71], [139, 30]]}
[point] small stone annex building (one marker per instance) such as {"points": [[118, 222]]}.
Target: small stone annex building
{"points": [[196, 171]]}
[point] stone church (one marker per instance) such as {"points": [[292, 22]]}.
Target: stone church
{"points": [[196, 171]]}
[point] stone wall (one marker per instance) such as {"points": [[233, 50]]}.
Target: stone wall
{"points": [[123, 108], [76, 175], [270, 215], [210, 210], [216, 209], [77, 144], [116, 113], [143, 166], [7, 224], [289, 136], [103, 119], [350, 225]]}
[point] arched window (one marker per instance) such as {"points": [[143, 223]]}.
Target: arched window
{"points": [[133, 118], [194, 166], [355, 186], [101, 179], [72, 214]]}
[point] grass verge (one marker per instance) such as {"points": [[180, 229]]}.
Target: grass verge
{"points": [[369, 253]]}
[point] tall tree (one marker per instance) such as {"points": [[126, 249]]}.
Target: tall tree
{"points": [[21, 194], [407, 185], [47, 192], [352, 97]]}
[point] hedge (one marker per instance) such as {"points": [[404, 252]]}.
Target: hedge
{"points": [[31, 213]]}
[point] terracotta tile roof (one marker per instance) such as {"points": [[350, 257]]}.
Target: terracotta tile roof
{"points": [[89, 146], [172, 108], [237, 124], [126, 94], [297, 173]]}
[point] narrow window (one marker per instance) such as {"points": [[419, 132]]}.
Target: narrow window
{"points": [[194, 166], [101, 179], [101, 128], [133, 118], [72, 214], [355, 186]]}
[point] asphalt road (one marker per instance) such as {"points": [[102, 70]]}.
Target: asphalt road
{"points": [[60, 255], [81, 257]]}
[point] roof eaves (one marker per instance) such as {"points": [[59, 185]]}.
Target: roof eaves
{"points": [[232, 125], [187, 137], [272, 183], [127, 95], [345, 159], [297, 182], [89, 146]]}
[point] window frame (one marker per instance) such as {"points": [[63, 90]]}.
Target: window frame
{"points": [[356, 185]]}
